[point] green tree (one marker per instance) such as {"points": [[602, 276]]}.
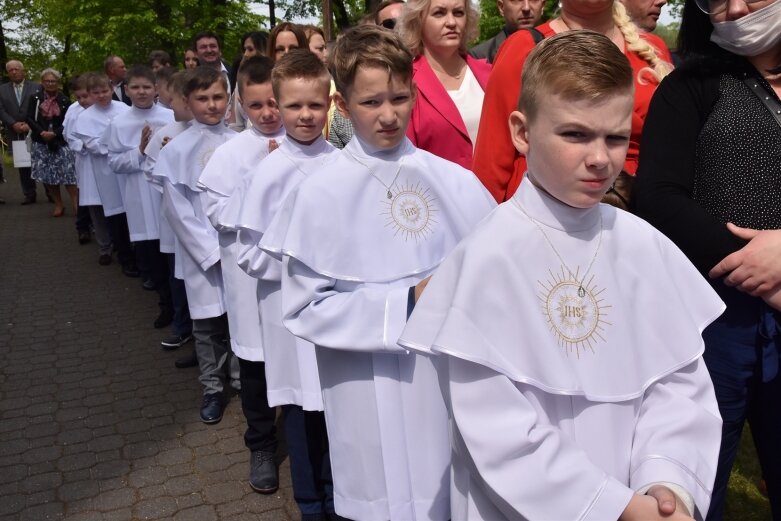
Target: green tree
{"points": [[76, 35], [491, 22]]}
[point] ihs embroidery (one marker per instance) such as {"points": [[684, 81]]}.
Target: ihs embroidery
{"points": [[410, 212], [575, 311]]}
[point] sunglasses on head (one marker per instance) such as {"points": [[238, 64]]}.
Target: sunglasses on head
{"points": [[389, 23]]}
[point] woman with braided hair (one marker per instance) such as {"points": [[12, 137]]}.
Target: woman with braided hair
{"points": [[496, 161]]}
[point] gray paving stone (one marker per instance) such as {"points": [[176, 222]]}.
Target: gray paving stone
{"points": [[95, 423]]}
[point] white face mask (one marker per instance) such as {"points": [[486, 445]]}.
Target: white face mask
{"points": [[752, 34]]}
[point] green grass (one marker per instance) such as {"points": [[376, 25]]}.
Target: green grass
{"points": [[744, 501]]}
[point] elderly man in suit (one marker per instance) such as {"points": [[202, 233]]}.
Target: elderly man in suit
{"points": [[115, 69], [15, 97]]}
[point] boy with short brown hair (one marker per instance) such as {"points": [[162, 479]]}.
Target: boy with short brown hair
{"points": [[568, 331]]}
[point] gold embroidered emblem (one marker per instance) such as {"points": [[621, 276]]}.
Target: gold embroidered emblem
{"points": [[575, 311], [411, 212]]}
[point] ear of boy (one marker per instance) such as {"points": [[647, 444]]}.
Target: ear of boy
{"points": [[519, 131]]}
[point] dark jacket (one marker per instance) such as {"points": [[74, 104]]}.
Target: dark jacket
{"points": [[38, 123]]}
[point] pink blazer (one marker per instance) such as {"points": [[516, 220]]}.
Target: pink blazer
{"points": [[436, 124]]}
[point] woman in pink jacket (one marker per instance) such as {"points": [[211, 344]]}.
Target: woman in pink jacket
{"points": [[450, 83]]}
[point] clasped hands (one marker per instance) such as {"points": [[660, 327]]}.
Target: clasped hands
{"points": [[659, 503], [755, 268]]}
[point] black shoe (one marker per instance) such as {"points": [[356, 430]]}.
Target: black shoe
{"points": [[263, 475], [211, 408], [30, 199], [84, 237], [175, 341], [131, 271], [163, 319], [149, 285], [187, 361], [104, 260]]}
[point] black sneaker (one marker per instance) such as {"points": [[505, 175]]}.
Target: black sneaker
{"points": [[263, 475], [211, 408], [84, 238], [175, 341], [131, 271]]}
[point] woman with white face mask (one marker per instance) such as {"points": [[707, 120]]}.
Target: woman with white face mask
{"points": [[710, 178]]}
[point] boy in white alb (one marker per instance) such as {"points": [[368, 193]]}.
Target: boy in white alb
{"points": [[301, 88], [181, 325], [125, 139], [89, 128], [197, 248], [221, 181], [89, 198], [358, 241], [568, 331]]}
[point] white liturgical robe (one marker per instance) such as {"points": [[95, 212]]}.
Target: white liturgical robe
{"points": [[89, 128], [197, 247], [355, 238], [85, 177], [291, 367], [141, 200], [570, 387], [152, 152], [223, 176]]}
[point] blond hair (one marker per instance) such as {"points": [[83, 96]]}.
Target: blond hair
{"points": [[577, 65], [658, 68], [371, 47], [411, 25]]}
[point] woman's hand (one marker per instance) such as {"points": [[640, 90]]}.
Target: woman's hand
{"points": [[47, 135], [756, 268]]}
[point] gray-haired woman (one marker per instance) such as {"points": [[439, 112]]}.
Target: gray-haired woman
{"points": [[52, 161]]}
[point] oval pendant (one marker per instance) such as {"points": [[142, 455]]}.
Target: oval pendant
{"points": [[581, 292], [390, 195]]}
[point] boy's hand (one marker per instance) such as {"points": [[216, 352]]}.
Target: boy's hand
{"points": [[146, 135], [166, 139], [420, 287], [668, 502], [272, 145], [649, 508]]}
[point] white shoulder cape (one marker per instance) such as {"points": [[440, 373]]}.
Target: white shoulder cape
{"points": [[503, 300], [342, 224]]}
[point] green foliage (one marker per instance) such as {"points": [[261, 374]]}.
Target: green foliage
{"points": [[76, 35], [491, 22], [668, 33], [744, 500]]}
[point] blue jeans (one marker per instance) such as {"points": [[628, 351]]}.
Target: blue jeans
{"points": [[742, 356]]}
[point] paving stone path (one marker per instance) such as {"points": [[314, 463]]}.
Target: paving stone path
{"points": [[95, 421]]}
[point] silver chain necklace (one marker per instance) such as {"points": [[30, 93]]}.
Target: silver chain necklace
{"points": [[581, 291], [387, 187]]}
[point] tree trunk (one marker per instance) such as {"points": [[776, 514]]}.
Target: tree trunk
{"points": [[340, 14], [371, 5], [272, 16], [3, 53]]}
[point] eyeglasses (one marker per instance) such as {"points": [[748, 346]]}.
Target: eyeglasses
{"points": [[718, 6], [390, 23]]}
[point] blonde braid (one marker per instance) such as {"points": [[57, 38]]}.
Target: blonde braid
{"points": [[658, 68]]}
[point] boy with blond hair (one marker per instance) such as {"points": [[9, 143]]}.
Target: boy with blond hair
{"points": [[222, 179], [300, 85], [568, 331], [358, 241]]}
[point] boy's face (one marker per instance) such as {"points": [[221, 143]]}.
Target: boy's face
{"points": [[164, 93], [101, 96], [575, 149], [208, 105], [379, 106], [303, 105], [141, 92], [181, 110], [261, 108], [83, 97]]}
